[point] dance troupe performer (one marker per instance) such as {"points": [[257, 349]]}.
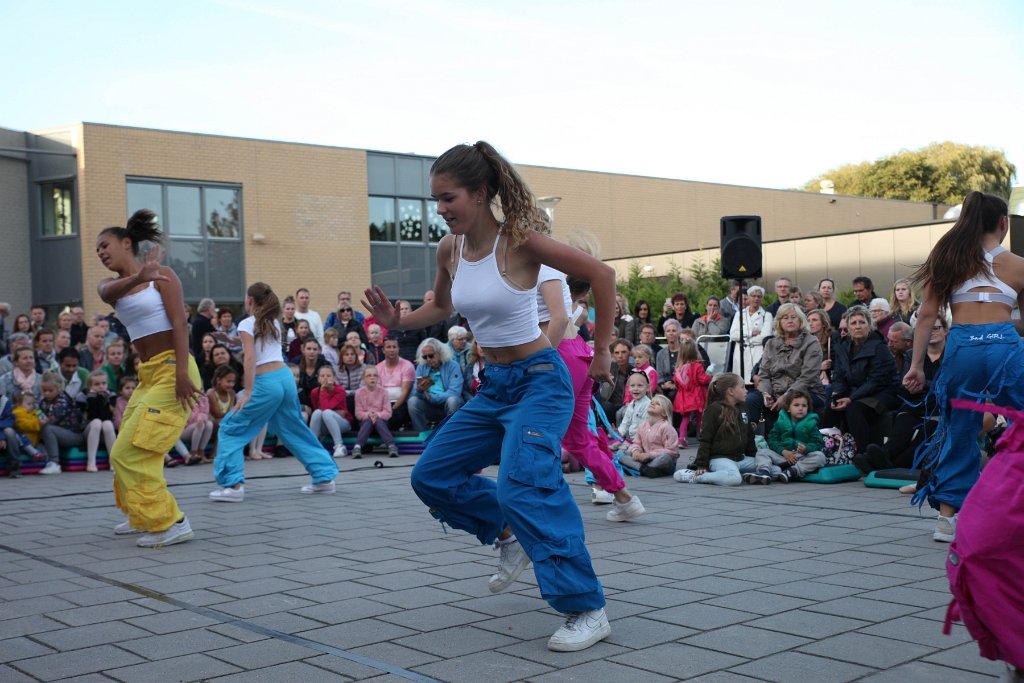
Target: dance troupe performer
{"points": [[558, 321], [148, 300], [269, 399], [488, 271], [984, 358]]}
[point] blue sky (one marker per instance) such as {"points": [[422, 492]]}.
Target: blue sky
{"points": [[748, 93]]}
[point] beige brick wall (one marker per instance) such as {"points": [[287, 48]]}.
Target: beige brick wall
{"points": [[634, 215], [308, 201]]}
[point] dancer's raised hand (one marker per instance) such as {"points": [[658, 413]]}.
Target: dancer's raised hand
{"points": [[151, 259], [377, 303]]}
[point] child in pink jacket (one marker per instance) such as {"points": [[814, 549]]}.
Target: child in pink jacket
{"points": [[373, 409], [654, 451]]}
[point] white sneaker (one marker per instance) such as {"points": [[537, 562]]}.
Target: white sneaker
{"points": [[50, 468], [601, 497], [945, 529], [322, 487], [621, 512], [340, 451], [125, 528], [511, 564], [580, 631], [228, 494], [685, 476], [177, 533]]}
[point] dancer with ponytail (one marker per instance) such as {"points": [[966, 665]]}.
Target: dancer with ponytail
{"points": [[487, 270], [148, 300], [984, 357], [559, 323], [269, 399]]}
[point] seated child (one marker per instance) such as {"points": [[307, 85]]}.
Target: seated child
{"points": [[125, 389], [198, 431], [10, 440], [638, 388], [99, 418], [330, 410], [795, 446], [221, 396], [727, 447], [29, 421], [642, 358], [655, 449], [373, 410]]}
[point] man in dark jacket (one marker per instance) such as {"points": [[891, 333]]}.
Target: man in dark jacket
{"points": [[202, 325]]}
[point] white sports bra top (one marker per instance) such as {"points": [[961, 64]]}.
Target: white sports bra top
{"points": [[547, 273], [143, 313], [499, 314], [1006, 294]]}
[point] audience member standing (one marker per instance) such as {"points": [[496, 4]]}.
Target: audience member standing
{"points": [[202, 325], [303, 312]]}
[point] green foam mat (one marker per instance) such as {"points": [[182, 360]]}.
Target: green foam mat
{"points": [[891, 479], [834, 474]]}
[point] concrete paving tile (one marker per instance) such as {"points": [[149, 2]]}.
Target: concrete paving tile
{"points": [[860, 608], [965, 657], [717, 585], [82, 616], [99, 596], [857, 579], [256, 587], [768, 575], [914, 629], [724, 677], [357, 633], [87, 678], [676, 660], [808, 624], [417, 597], [679, 572], [526, 626], [171, 622], [402, 580], [264, 604], [237, 633], [88, 660], [261, 654], [292, 671], [456, 642], [194, 667], [23, 626], [758, 602], [44, 604], [910, 595], [176, 644], [922, 672], [13, 649], [700, 616], [638, 632], [627, 581], [467, 570], [860, 648], [812, 590], [433, 617], [324, 576], [504, 604], [661, 596], [493, 667], [9, 675], [394, 654], [333, 592], [795, 666], [744, 641], [600, 672]]}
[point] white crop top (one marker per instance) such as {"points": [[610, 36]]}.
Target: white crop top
{"points": [[499, 314], [547, 273], [1006, 295], [143, 313], [267, 350]]}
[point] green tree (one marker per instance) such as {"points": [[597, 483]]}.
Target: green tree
{"points": [[703, 281], [941, 172]]}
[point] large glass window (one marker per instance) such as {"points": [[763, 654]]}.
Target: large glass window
{"points": [[58, 201], [382, 219], [203, 222]]}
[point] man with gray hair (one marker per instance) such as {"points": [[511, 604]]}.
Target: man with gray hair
{"points": [[782, 287], [901, 343], [202, 325], [437, 392]]}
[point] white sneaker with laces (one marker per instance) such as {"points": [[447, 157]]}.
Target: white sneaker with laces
{"points": [[685, 476], [945, 529], [325, 487], [340, 451], [125, 528], [177, 533], [511, 564], [228, 494], [621, 512], [580, 631], [50, 468], [601, 497]]}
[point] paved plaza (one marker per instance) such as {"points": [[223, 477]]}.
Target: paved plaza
{"points": [[798, 582]]}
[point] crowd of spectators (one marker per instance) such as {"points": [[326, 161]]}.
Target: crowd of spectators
{"points": [[847, 361]]}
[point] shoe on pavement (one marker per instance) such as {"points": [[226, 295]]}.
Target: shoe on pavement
{"points": [[945, 529], [511, 564], [50, 468], [393, 451], [759, 477], [783, 476], [340, 451], [580, 631], [125, 528], [228, 494], [357, 452], [621, 512], [601, 497], [325, 487], [177, 533], [686, 476]]}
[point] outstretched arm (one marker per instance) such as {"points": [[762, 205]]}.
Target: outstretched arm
{"points": [[111, 289]]}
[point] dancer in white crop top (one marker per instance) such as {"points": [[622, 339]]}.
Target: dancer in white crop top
{"points": [[148, 300], [488, 272]]}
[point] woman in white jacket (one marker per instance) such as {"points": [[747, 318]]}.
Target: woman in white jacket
{"points": [[757, 324]]}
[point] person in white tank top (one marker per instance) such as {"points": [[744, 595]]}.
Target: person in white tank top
{"points": [[488, 272]]}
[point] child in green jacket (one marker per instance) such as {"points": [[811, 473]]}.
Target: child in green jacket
{"points": [[794, 443]]}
